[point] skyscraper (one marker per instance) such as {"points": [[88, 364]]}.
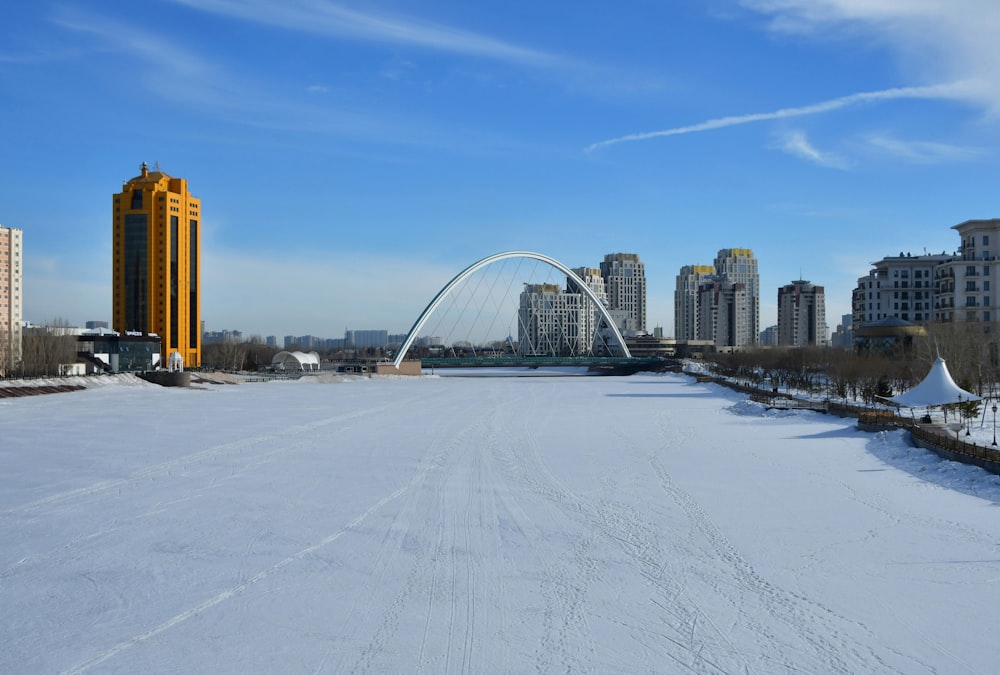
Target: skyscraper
{"points": [[723, 314], [689, 279], [739, 266], [157, 263], [625, 280], [590, 317], [10, 298], [801, 315]]}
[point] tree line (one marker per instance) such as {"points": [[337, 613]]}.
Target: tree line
{"points": [[41, 351], [969, 350]]}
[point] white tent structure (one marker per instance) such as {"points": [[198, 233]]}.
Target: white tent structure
{"points": [[296, 361], [937, 388]]}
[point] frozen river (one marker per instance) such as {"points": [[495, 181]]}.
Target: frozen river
{"points": [[471, 525]]}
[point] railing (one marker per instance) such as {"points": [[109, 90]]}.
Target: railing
{"points": [[29, 390], [544, 361], [958, 450]]}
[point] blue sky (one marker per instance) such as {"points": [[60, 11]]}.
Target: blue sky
{"points": [[352, 157]]}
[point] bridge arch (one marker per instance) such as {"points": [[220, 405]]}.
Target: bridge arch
{"points": [[474, 267]]}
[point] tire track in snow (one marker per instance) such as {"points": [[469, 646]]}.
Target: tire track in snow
{"points": [[816, 625], [164, 468], [169, 469], [260, 576], [448, 571], [565, 582], [703, 646]]}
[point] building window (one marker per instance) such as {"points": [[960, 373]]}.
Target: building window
{"points": [[137, 199]]}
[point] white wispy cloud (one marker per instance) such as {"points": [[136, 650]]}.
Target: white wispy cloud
{"points": [[797, 144], [920, 152], [935, 40], [203, 82], [183, 77], [955, 90], [335, 20]]}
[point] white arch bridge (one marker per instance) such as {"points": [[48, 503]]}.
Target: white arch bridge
{"points": [[616, 351]]}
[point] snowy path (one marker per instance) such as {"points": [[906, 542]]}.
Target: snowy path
{"points": [[435, 525]]}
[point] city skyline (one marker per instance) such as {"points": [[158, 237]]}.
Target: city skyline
{"points": [[352, 159]]}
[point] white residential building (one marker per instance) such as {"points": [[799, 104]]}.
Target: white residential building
{"points": [[690, 278], [549, 322], [625, 280], [902, 287], [739, 266], [11, 317], [965, 284], [801, 315], [589, 320]]}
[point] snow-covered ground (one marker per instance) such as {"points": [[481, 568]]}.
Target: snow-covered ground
{"points": [[479, 525]]}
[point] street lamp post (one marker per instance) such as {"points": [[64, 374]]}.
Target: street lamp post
{"points": [[994, 424]]}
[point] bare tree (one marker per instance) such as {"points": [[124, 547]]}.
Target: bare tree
{"points": [[965, 346], [46, 348], [10, 351]]}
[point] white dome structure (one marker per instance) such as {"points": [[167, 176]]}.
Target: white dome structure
{"points": [[296, 361]]}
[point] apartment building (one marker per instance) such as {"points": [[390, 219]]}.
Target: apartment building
{"points": [[964, 284], [902, 287], [738, 265], [689, 280], [724, 314], [590, 319], [549, 322], [11, 259], [625, 283], [801, 315]]}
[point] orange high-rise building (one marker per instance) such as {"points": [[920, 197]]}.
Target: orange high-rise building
{"points": [[157, 263]]}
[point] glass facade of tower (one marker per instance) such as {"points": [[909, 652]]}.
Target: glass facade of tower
{"points": [[157, 263]]}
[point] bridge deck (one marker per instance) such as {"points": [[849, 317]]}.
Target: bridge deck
{"points": [[594, 362]]}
